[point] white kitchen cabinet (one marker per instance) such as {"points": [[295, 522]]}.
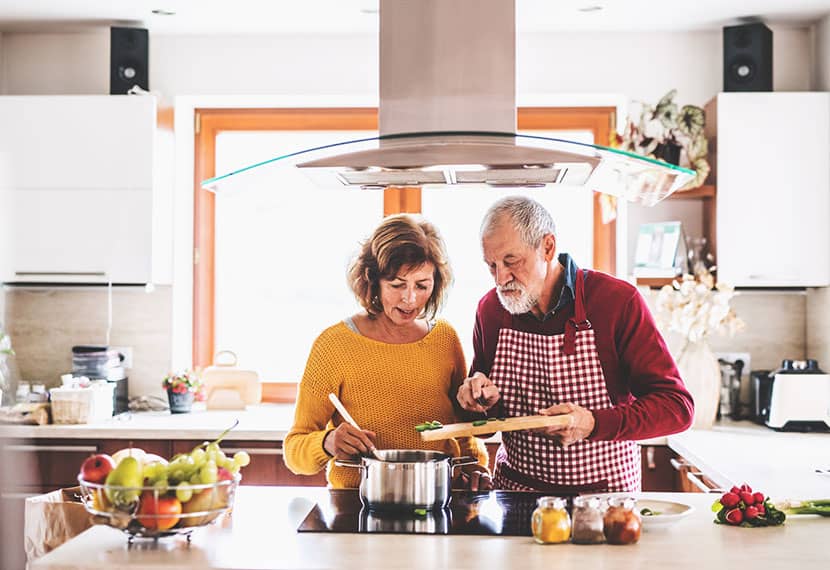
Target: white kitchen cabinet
{"points": [[772, 169], [76, 194]]}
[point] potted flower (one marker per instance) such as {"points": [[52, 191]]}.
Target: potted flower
{"points": [[696, 307], [181, 388], [667, 133]]}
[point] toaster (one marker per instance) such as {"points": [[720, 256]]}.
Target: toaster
{"points": [[799, 397]]}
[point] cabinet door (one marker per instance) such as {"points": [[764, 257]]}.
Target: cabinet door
{"points": [[50, 464], [773, 189], [87, 236], [76, 186], [78, 142]]}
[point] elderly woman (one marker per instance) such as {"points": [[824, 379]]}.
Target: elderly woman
{"points": [[391, 365]]}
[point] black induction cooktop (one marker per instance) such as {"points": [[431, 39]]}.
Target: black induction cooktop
{"points": [[505, 513]]}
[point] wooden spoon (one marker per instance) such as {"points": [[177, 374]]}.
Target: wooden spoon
{"points": [[348, 417]]}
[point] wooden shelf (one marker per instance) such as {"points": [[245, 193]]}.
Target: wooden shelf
{"points": [[701, 192]]}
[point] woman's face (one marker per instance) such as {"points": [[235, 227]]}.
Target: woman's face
{"points": [[404, 297]]}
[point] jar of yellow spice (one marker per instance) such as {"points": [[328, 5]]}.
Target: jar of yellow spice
{"points": [[551, 522]]}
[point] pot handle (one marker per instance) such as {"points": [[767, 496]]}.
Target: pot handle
{"points": [[348, 463], [463, 460]]}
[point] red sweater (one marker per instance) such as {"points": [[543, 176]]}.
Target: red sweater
{"points": [[643, 382]]}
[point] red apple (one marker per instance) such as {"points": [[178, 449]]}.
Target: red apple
{"points": [[158, 514], [95, 468]]}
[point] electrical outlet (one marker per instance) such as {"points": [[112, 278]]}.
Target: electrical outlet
{"points": [[127, 352], [734, 357]]}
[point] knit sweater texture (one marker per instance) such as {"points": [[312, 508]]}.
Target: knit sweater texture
{"points": [[387, 388]]}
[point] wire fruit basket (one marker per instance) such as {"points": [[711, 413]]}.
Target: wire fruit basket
{"points": [[155, 512]]}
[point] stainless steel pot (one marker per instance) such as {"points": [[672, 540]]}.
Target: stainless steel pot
{"points": [[406, 478]]}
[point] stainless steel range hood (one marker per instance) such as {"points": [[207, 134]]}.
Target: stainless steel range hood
{"points": [[447, 116]]}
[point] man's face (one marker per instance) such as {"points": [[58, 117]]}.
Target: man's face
{"points": [[518, 269]]}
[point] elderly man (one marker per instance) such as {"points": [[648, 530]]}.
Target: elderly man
{"points": [[552, 339]]}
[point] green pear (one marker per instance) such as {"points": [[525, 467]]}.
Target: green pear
{"points": [[123, 484]]}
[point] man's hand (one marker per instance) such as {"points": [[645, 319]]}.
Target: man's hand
{"points": [[478, 393], [476, 478], [580, 428], [347, 441]]}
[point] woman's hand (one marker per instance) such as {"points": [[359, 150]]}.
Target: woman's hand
{"points": [[476, 478], [346, 441]]}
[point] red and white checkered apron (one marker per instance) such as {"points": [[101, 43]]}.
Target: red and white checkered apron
{"points": [[535, 371]]}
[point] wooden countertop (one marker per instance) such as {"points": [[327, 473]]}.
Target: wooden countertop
{"points": [[261, 534]]}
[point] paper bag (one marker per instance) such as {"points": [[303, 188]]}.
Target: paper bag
{"points": [[52, 519]]}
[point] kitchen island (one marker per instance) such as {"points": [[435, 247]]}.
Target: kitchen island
{"points": [[261, 534]]}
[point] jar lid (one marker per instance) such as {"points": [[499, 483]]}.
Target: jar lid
{"points": [[551, 502]]}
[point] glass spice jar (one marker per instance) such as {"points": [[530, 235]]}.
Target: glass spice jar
{"points": [[587, 521], [551, 522], [622, 523]]}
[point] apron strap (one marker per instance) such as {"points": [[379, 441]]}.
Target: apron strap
{"points": [[579, 322]]}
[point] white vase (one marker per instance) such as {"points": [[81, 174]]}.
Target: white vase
{"points": [[700, 372]]}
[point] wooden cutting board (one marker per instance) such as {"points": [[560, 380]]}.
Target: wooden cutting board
{"points": [[508, 424]]}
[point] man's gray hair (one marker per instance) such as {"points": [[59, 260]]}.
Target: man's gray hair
{"points": [[527, 216]]}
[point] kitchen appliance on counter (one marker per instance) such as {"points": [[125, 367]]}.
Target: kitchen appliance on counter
{"points": [[503, 513], [796, 397], [228, 387], [98, 362]]}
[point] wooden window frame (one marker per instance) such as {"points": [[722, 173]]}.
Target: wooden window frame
{"points": [[600, 121]]}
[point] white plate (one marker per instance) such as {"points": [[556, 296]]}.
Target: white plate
{"points": [[667, 513]]}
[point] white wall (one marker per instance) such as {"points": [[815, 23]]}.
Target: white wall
{"points": [[639, 65], [822, 55]]}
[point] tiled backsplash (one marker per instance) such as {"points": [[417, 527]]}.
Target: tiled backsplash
{"points": [[45, 324]]}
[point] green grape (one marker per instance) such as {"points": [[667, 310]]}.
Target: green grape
{"points": [[220, 458], [162, 486], [209, 473], [241, 458], [198, 455], [154, 471], [184, 492], [234, 468], [195, 479]]}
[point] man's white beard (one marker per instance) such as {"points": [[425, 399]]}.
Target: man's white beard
{"points": [[516, 305]]}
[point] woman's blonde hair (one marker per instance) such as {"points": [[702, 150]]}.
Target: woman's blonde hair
{"points": [[400, 240]]}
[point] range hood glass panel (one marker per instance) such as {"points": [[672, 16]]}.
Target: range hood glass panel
{"points": [[448, 158]]}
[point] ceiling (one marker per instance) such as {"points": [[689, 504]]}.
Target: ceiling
{"points": [[360, 16]]}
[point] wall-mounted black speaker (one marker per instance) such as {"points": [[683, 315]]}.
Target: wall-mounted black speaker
{"points": [[129, 55], [747, 58]]}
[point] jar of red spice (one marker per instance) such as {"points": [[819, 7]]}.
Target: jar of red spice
{"points": [[622, 523]]}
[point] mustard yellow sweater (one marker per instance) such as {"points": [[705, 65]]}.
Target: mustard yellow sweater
{"points": [[387, 388]]}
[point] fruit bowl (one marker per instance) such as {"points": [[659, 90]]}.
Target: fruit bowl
{"points": [[156, 511]]}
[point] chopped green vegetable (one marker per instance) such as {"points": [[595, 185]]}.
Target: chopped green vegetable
{"points": [[427, 425], [491, 419], [479, 423], [814, 507], [649, 513], [421, 512]]}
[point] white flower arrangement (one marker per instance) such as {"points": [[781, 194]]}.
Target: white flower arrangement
{"points": [[696, 307]]}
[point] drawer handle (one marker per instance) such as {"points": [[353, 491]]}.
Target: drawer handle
{"points": [[650, 463], [252, 451], [18, 495], [695, 479], [58, 448], [62, 273], [678, 465]]}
